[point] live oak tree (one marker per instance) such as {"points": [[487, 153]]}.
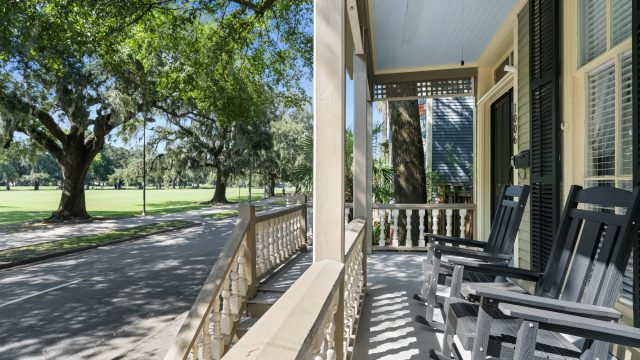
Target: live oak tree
{"points": [[65, 84]]}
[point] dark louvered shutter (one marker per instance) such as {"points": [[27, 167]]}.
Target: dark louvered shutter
{"points": [[545, 136], [635, 88]]}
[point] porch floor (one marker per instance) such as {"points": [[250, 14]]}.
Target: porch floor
{"points": [[387, 330]]}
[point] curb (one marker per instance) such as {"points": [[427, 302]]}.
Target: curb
{"points": [[94, 246]]}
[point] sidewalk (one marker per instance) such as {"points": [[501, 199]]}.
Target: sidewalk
{"points": [[60, 232]]}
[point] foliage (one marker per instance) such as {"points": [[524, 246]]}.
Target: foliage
{"points": [[72, 72]]}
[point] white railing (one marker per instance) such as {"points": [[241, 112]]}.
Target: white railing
{"points": [[257, 245], [354, 280], [443, 219], [313, 319]]}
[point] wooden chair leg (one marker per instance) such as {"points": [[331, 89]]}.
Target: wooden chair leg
{"points": [[483, 330], [447, 340], [433, 289], [456, 281], [526, 340]]}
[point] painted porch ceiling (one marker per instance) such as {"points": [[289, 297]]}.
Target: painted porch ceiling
{"points": [[428, 33]]}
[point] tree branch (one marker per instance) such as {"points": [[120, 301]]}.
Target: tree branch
{"points": [[16, 104]]}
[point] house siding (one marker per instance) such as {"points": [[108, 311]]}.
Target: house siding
{"points": [[524, 236], [452, 145]]}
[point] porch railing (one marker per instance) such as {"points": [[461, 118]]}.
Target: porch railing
{"points": [[313, 319], [444, 219], [257, 245]]}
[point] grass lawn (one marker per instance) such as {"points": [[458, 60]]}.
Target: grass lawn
{"points": [[22, 204], [19, 255]]}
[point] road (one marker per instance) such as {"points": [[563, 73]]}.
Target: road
{"points": [[98, 303]]}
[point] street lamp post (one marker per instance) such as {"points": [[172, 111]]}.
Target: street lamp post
{"points": [[144, 167]]}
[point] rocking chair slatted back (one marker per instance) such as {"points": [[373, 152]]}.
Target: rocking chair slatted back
{"points": [[507, 219], [592, 247]]}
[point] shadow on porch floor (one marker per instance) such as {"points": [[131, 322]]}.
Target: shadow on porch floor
{"points": [[387, 330]]}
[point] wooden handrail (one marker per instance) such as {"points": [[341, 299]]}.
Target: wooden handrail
{"points": [[352, 232], [290, 329], [424, 206], [274, 213], [203, 305]]}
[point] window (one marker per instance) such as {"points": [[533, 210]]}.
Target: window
{"points": [[603, 25], [608, 140]]}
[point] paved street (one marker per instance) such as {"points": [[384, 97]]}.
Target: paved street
{"points": [[98, 303]]}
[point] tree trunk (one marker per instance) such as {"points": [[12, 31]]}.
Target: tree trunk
{"points": [[72, 202], [408, 161], [220, 194], [36, 184], [272, 186]]}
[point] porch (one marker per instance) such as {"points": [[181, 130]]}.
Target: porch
{"points": [[356, 299]]}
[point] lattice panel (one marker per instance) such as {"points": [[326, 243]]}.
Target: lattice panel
{"points": [[423, 89]]}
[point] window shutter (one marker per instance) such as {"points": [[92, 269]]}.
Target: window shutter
{"points": [[545, 146], [593, 29], [635, 51]]}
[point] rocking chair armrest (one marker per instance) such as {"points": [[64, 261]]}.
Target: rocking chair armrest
{"points": [[496, 269], [544, 303], [455, 240], [439, 250], [581, 326]]}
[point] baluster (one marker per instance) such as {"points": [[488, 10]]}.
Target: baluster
{"points": [[278, 241], [272, 246], [449, 227], [227, 318], [408, 241], [281, 240], [261, 255], [235, 292], [394, 214], [421, 242], [463, 217], [195, 348], [383, 215], [290, 235], [298, 231], [320, 354], [218, 338], [243, 282], [435, 214], [206, 339], [331, 352], [346, 216]]}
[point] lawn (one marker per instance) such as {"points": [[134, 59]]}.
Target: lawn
{"points": [[22, 204]]}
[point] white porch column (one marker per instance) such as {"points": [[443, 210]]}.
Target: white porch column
{"points": [[369, 234], [328, 142], [328, 129], [360, 135]]}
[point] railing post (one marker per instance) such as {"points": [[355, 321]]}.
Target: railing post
{"points": [[302, 199], [408, 242], [449, 224], [248, 212], [463, 217], [383, 215], [395, 213], [421, 242]]}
